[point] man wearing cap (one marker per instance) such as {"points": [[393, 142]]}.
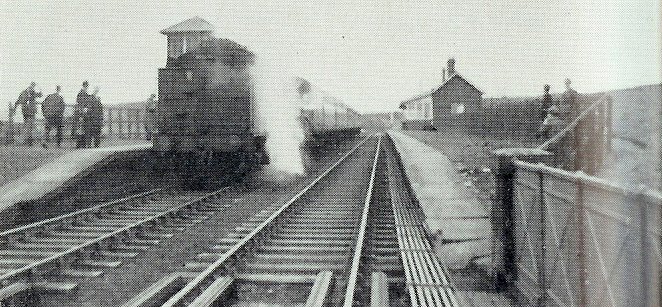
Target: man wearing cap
{"points": [[570, 101], [29, 108], [546, 101], [53, 110], [93, 120], [82, 101]]}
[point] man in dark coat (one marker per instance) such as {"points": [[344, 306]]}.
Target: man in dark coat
{"points": [[93, 119], [546, 102], [82, 101], [53, 110], [29, 108]]}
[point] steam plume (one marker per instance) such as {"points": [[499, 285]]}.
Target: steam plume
{"points": [[277, 111]]}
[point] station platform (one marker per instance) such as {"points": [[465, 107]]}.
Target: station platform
{"points": [[37, 171], [450, 203]]}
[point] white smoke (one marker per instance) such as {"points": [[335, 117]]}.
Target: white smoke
{"points": [[277, 113]]}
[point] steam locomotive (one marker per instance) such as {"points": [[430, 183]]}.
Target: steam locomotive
{"points": [[206, 115]]}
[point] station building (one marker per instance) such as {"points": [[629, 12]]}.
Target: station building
{"points": [[450, 104]]}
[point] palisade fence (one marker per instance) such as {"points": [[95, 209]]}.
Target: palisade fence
{"points": [[119, 122], [570, 239]]}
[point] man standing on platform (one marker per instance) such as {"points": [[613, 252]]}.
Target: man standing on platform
{"points": [[29, 108], [571, 104], [570, 101], [93, 120], [150, 111], [547, 102], [82, 100], [53, 110]]}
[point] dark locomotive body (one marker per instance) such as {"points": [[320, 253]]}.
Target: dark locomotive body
{"points": [[206, 110], [205, 115]]}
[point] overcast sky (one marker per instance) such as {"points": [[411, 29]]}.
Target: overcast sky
{"points": [[371, 54]]}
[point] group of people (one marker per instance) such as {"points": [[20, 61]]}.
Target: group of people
{"points": [[87, 118], [553, 120]]}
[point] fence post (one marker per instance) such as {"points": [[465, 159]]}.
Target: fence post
{"points": [[609, 123], [120, 121], [581, 245], [542, 263], [110, 122], [502, 218], [646, 265]]}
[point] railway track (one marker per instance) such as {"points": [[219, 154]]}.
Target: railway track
{"points": [[338, 242], [80, 244]]}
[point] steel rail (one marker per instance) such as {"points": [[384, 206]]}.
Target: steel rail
{"points": [[358, 249], [114, 233], [178, 297]]}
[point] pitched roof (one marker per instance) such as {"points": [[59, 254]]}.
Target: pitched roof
{"points": [[426, 94], [195, 24]]}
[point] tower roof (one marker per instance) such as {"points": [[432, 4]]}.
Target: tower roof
{"points": [[195, 24]]}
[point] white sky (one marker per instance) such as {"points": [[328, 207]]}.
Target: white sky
{"points": [[371, 54]]}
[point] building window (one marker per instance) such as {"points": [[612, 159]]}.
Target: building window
{"points": [[457, 108], [189, 75]]}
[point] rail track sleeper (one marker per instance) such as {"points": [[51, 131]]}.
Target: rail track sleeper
{"points": [[388, 267], [138, 241], [13, 289], [91, 228], [208, 256], [61, 287], [156, 235], [197, 266], [320, 242], [131, 247], [42, 246], [68, 240], [26, 253], [299, 257], [76, 234], [312, 226], [229, 240], [80, 273], [157, 292], [277, 278], [319, 293], [117, 254], [222, 247], [293, 267], [307, 235], [379, 290], [99, 263], [215, 291]]}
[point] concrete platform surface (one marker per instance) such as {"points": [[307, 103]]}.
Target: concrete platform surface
{"points": [[49, 174], [449, 201]]}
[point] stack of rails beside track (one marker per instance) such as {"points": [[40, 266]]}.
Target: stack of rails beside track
{"points": [[338, 242], [78, 244]]}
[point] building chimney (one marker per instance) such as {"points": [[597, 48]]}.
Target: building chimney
{"points": [[443, 75], [451, 67]]}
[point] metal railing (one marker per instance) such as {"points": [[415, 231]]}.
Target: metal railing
{"points": [[578, 240], [119, 122]]}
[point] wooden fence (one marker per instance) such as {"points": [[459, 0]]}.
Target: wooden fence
{"points": [[570, 239]]}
